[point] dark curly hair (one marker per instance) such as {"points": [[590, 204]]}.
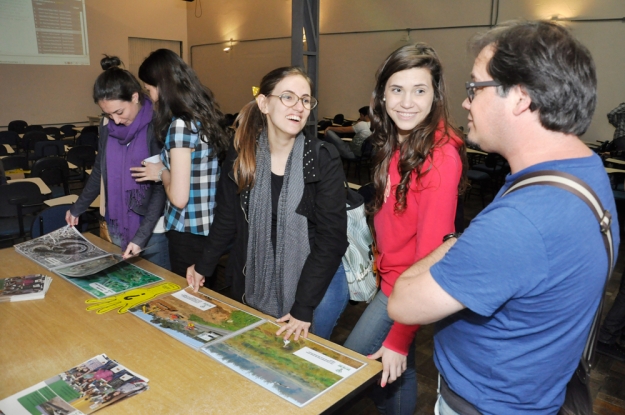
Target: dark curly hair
{"points": [[182, 95], [418, 146]]}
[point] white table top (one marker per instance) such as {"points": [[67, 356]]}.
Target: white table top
{"points": [[45, 190], [9, 149], [61, 200]]}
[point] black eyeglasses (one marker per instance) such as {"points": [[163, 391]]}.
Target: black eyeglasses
{"points": [[290, 100], [472, 86]]}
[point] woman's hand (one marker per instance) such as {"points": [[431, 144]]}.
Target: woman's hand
{"points": [[194, 278], [70, 219], [393, 364], [131, 250], [294, 326], [149, 171]]}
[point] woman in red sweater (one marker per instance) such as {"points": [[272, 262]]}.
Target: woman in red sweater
{"points": [[419, 166]]}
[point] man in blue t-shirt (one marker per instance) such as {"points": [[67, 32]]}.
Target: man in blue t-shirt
{"points": [[515, 295]]}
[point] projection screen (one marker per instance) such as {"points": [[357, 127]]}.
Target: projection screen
{"points": [[43, 32]]}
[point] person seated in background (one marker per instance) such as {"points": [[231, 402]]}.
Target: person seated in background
{"points": [[361, 129]]}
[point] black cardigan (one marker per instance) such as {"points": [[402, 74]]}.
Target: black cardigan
{"points": [[323, 204]]}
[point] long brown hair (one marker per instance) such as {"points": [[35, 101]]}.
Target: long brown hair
{"points": [[251, 123], [419, 144], [182, 95]]}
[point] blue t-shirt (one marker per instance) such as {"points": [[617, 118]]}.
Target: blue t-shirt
{"points": [[530, 270]]}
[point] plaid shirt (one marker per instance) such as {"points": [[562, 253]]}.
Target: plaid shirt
{"points": [[616, 117], [198, 215]]}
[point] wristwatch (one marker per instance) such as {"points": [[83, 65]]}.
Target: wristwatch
{"points": [[160, 173], [451, 235]]}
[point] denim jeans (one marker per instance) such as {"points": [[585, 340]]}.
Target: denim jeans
{"points": [[331, 306], [157, 252], [399, 397]]}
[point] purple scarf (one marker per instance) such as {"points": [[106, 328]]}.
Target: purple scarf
{"points": [[127, 147]]}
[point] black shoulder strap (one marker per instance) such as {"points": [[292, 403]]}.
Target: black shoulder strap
{"points": [[579, 188]]}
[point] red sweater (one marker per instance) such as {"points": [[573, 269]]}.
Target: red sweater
{"points": [[405, 238]]}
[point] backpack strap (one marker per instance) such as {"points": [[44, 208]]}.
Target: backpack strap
{"points": [[579, 188]]}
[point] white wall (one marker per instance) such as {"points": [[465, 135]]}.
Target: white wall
{"points": [[348, 62], [45, 94]]}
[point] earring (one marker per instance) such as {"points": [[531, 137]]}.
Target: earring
{"points": [[383, 98]]}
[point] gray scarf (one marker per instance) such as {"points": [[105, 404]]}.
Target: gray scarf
{"points": [[271, 280]]}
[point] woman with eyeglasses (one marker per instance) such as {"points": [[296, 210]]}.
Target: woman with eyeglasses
{"points": [[418, 172], [281, 205], [194, 141], [131, 210]]}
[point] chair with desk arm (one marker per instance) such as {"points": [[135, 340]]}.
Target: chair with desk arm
{"points": [[54, 171], [30, 138], [53, 132], [18, 126], [84, 158], [14, 162], [68, 132], [88, 139], [49, 220], [19, 202], [47, 148], [33, 127], [9, 137]]}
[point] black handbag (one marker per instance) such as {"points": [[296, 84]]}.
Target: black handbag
{"points": [[578, 400]]}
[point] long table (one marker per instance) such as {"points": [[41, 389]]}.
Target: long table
{"points": [[42, 338]]}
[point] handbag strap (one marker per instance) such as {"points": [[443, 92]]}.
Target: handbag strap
{"points": [[579, 188]]}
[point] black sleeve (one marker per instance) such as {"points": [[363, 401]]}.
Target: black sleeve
{"points": [[330, 236], [224, 228], [92, 187]]}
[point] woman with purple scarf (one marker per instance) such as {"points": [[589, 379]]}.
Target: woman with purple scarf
{"points": [[132, 210]]}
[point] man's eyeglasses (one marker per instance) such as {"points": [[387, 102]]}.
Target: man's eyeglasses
{"points": [[290, 100], [472, 86]]}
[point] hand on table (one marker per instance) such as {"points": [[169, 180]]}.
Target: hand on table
{"points": [[294, 326], [393, 364], [129, 299], [149, 171], [194, 278]]}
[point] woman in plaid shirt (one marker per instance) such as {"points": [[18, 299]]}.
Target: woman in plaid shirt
{"points": [[189, 118]]}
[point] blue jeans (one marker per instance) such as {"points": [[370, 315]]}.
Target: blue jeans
{"points": [[399, 397], [331, 306], [157, 252]]}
